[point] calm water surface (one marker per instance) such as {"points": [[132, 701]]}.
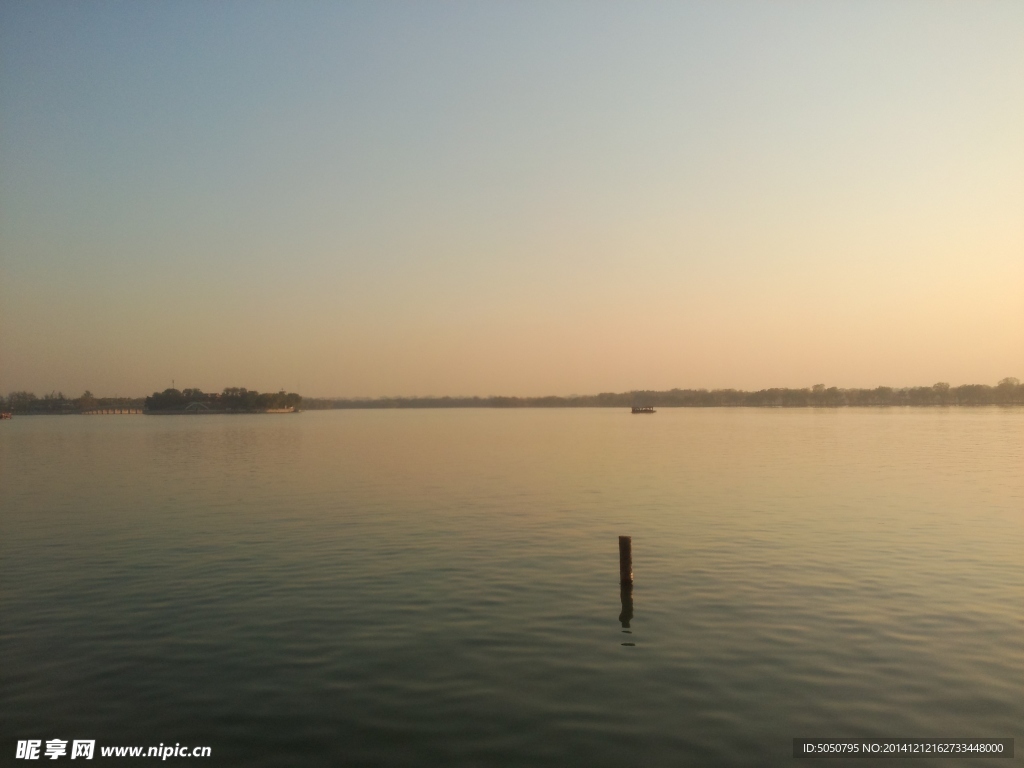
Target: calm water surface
{"points": [[407, 588]]}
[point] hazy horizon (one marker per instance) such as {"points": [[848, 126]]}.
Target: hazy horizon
{"points": [[523, 199]]}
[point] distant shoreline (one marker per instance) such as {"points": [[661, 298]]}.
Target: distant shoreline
{"points": [[188, 402], [170, 402], [1007, 392]]}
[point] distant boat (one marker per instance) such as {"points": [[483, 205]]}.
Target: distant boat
{"points": [[5, 414], [643, 409]]}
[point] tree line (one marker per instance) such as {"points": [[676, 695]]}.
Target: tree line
{"points": [[232, 399], [1009, 391]]}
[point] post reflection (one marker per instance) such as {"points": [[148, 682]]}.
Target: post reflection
{"points": [[626, 596]]}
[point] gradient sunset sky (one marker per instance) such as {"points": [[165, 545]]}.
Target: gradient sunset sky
{"points": [[520, 198]]}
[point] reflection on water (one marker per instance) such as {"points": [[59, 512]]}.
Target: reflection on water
{"points": [[626, 596], [409, 588]]}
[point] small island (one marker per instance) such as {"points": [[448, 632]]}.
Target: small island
{"points": [[231, 400]]}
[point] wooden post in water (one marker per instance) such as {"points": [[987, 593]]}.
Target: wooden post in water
{"points": [[626, 560]]}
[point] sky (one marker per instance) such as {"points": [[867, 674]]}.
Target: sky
{"points": [[371, 199]]}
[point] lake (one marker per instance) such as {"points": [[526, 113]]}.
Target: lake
{"points": [[440, 587]]}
